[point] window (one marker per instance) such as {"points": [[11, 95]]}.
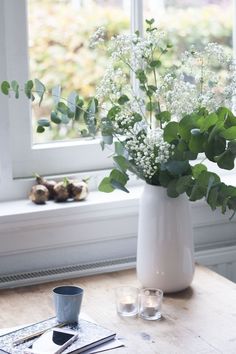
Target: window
{"points": [[61, 53], [59, 157], [21, 154]]}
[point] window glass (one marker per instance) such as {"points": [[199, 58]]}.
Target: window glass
{"points": [[190, 22], [190, 26], [59, 53]]}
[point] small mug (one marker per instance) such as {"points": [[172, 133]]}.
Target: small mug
{"points": [[67, 303]]}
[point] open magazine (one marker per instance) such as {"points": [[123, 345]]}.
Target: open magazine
{"points": [[92, 338]]}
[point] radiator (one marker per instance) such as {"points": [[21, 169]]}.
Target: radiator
{"points": [[221, 260]]}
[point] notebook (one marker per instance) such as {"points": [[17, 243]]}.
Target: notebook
{"points": [[91, 335]]}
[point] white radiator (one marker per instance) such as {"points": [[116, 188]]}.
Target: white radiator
{"points": [[222, 260]]}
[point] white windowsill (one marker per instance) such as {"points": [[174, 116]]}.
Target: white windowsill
{"points": [[25, 209]]}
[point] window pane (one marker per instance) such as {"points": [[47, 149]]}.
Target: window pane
{"points": [[59, 32], [190, 22]]}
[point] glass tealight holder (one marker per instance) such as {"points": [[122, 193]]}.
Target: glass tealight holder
{"points": [[150, 304], [127, 300]]}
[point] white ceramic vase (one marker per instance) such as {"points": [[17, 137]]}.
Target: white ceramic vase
{"points": [[165, 257]]}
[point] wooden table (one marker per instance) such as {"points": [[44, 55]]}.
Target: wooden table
{"points": [[201, 319]]}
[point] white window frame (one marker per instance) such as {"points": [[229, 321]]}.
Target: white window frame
{"points": [[51, 158], [19, 158]]}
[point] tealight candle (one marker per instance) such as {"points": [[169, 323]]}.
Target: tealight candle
{"points": [[150, 304], [127, 301]]}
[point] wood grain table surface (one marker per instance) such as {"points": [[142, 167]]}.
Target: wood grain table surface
{"points": [[201, 319]]}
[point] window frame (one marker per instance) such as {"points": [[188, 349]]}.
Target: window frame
{"points": [[49, 158], [19, 158]]}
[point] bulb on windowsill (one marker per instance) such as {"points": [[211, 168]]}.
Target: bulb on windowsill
{"points": [[78, 190], [49, 184], [61, 192], [39, 194]]}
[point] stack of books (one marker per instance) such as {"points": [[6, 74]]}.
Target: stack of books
{"points": [[91, 337]]}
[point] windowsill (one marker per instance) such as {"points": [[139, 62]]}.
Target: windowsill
{"points": [[24, 209]]}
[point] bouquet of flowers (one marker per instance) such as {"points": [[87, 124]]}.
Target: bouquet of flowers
{"points": [[178, 114], [159, 118]]}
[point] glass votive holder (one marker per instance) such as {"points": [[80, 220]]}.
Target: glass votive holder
{"points": [[150, 304], [127, 300]]}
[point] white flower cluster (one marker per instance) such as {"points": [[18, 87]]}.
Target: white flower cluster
{"points": [[196, 83], [97, 37], [135, 50], [124, 121], [149, 149], [112, 83]]}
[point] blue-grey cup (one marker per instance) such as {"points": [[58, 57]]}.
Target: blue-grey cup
{"points": [[67, 302]]}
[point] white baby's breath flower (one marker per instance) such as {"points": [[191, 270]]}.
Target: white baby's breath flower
{"points": [[97, 37]]}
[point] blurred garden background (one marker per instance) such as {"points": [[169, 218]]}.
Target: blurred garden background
{"points": [[59, 52]]}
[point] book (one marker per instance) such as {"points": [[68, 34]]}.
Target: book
{"points": [[91, 335]]}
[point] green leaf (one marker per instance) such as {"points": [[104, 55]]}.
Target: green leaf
{"points": [[226, 160], [65, 119], [219, 127], [232, 146], [150, 22], [5, 87], [171, 131], [106, 127], [121, 162], [107, 139], [141, 76], [105, 185], [155, 64], [117, 175], [118, 185], [183, 184], [215, 147], [198, 169], [213, 197], [28, 89], [211, 182], [197, 192], [120, 149], [15, 88], [150, 106], [137, 117], [164, 178], [54, 118], [177, 168], [40, 129], [56, 94], [123, 99], [113, 112], [206, 122], [43, 122], [40, 89], [78, 109], [197, 142], [90, 116], [152, 88], [186, 124], [203, 184], [62, 108], [229, 134], [172, 189], [164, 117]]}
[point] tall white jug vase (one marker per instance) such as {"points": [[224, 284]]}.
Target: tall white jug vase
{"points": [[165, 257]]}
